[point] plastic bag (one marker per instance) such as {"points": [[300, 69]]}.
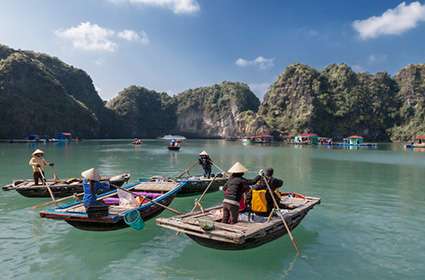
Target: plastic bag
{"points": [[127, 199]]}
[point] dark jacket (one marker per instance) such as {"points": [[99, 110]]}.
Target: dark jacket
{"points": [[235, 187], [274, 184], [205, 161]]}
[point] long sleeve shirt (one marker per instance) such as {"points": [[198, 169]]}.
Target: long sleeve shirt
{"points": [[90, 194], [38, 161]]}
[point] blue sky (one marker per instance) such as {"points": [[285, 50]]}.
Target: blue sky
{"points": [[173, 45]]}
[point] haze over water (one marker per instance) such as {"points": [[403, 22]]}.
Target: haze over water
{"points": [[369, 225]]}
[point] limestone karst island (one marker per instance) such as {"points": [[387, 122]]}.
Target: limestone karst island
{"points": [[196, 139]]}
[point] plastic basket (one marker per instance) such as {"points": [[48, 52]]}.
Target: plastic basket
{"points": [[133, 219]]}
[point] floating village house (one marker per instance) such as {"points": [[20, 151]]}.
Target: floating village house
{"points": [[306, 138], [354, 140]]}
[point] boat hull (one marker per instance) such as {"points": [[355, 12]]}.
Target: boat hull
{"points": [[58, 190], [79, 219], [198, 187], [99, 225], [173, 148], [252, 242]]}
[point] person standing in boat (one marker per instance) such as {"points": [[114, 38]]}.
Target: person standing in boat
{"points": [[206, 162], [38, 163], [91, 185], [234, 189]]}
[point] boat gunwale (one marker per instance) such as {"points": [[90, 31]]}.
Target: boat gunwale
{"points": [[55, 213]]}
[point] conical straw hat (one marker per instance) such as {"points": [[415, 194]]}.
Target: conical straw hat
{"points": [[237, 168], [91, 174], [203, 153], [37, 152]]}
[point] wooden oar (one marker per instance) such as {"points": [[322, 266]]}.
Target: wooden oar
{"points": [[46, 185], [57, 200], [186, 170], [218, 167], [281, 216], [198, 201], [150, 200]]}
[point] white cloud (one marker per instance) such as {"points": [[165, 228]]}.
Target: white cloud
{"points": [[391, 22], [177, 6], [133, 36], [89, 37], [261, 62], [92, 37]]}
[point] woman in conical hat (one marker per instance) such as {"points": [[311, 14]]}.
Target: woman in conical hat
{"points": [[91, 185], [234, 189], [206, 162], [38, 163]]}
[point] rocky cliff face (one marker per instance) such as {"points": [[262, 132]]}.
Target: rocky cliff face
{"points": [[32, 99], [334, 102], [213, 111], [411, 80], [143, 112], [41, 94]]}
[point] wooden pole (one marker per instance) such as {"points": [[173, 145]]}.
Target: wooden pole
{"points": [[186, 170], [280, 215], [76, 195], [150, 200], [198, 201], [46, 185], [218, 167]]}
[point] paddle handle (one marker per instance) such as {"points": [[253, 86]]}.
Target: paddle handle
{"points": [[46, 185], [294, 243]]}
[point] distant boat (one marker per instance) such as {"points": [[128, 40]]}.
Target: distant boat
{"points": [[137, 141], [418, 143], [171, 137]]}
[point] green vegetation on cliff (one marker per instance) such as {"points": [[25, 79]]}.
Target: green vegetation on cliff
{"points": [[41, 94], [143, 112], [334, 102]]}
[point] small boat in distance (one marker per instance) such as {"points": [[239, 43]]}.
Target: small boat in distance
{"points": [[305, 139], [75, 213], [60, 188], [137, 141], [419, 142], [205, 227], [174, 145]]}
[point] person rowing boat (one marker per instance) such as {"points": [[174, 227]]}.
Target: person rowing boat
{"points": [[206, 162], [38, 163]]}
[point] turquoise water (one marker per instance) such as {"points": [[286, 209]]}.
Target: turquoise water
{"points": [[370, 224]]}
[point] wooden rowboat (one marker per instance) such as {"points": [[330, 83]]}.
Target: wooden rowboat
{"points": [[75, 213], [195, 185], [60, 188], [206, 228]]}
